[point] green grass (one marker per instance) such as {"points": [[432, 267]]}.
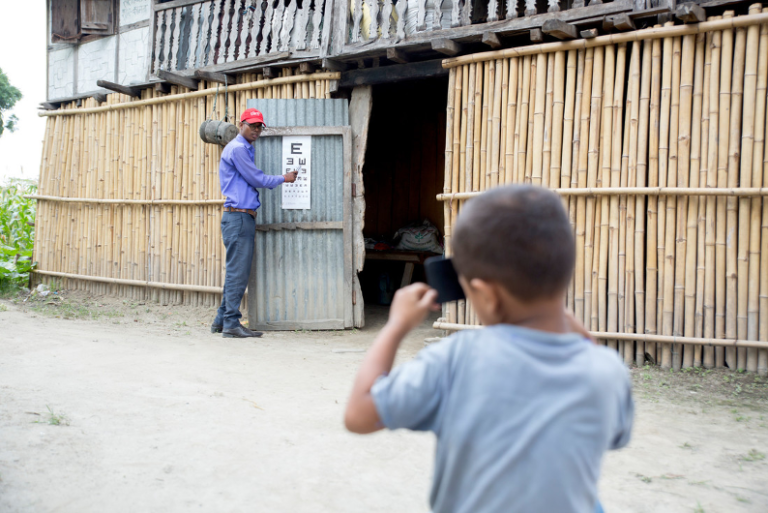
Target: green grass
{"points": [[54, 419], [753, 455], [17, 234]]}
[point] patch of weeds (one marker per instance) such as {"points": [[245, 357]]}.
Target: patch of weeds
{"points": [[644, 479], [3, 308], [698, 508], [742, 418], [753, 455], [54, 419], [686, 445], [743, 499]]}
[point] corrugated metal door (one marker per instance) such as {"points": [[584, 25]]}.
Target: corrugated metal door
{"points": [[302, 271]]}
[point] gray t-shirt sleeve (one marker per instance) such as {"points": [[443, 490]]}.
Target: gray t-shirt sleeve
{"points": [[412, 395], [626, 413]]}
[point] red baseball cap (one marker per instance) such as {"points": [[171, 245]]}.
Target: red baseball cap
{"points": [[252, 116]]}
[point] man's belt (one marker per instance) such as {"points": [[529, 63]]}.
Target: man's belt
{"points": [[246, 210]]}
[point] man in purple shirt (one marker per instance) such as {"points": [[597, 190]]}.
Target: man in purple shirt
{"points": [[239, 178]]}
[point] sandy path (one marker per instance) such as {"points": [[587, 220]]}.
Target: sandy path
{"points": [[162, 420]]}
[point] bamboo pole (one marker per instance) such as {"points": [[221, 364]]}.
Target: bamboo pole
{"points": [[528, 169], [748, 359], [722, 180], [621, 259], [761, 175], [289, 80], [712, 358], [522, 123], [733, 358], [512, 98], [625, 206], [665, 123], [503, 107], [583, 275], [604, 176], [661, 339], [538, 120], [670, 177], [668, 31], [639, 203], [495, 125], [681, 276], [577, 283], [134, 283], [692, 356]]}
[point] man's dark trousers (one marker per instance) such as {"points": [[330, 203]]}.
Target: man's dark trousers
{"points": [[238, 230]]}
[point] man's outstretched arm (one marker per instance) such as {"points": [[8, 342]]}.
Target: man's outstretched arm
{"points": [[255, 177]]}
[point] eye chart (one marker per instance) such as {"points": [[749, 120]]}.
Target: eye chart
{"points": [[297, 151]]}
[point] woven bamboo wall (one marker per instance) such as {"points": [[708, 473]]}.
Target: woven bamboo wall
{"points": [[133, 193], [681, 113]]}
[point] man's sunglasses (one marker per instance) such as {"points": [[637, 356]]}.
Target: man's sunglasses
{"points": [[256, 126]]}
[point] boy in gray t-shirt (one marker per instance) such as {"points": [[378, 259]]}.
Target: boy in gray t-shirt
{"points": [[523, 409]]}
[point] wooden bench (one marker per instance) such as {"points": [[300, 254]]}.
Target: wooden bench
{"points": [[397, 255]]}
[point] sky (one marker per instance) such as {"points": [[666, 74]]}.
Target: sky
{"points": [[22, 58]]}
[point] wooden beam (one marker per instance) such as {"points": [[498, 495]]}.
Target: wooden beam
{"points": [[491, 39], [99, 97], [332, 65], [270, 72], [176, 3], [395, 73], [623, 22], [214, 76], [307, 68], [398, 56], [162, 87], [690, 13], [50, 105], [589, 34], [446, 46], [130, 91], [179, 80], [249, 64], [559, 29], [537, 36]]}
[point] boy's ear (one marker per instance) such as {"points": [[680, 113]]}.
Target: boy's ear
{"points": [[488, 293]]}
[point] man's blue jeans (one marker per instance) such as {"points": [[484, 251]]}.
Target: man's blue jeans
{"points": [[238, 231]]}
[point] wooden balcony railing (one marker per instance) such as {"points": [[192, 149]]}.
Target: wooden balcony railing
{"points": [[400, 19], [209, 32]]}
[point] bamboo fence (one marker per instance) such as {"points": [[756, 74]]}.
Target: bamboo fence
{"points": [[656, 142], [129, 202]]}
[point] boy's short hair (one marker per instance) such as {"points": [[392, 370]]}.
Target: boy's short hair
{"points": [[518, 236]]}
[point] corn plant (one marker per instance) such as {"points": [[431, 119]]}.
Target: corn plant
{"points": [[17, 233]]}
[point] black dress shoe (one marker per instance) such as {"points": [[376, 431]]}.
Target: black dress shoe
{"points": [[216, 328], [239, 332]]}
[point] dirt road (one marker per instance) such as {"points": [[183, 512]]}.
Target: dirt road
{"points": [[155, 413]]}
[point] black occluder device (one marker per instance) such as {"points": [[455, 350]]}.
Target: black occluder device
{"points": [[442, 277]]}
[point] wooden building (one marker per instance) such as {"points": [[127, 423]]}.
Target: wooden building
{"points": [[649, 120]]}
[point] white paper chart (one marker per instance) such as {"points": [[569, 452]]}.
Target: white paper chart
{"points": [[297, 151]]}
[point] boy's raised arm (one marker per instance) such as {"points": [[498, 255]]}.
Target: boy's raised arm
{"points": [[409, 308]]}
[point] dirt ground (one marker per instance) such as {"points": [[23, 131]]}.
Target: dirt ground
{"points": [[112, 405]]}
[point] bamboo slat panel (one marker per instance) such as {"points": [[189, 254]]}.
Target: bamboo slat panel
{"points": [[657, 147], [133, 194]]}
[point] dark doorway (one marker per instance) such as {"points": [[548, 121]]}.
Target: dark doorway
{"points": [[403, 173]]}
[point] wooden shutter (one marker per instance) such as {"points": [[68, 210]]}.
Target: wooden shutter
{"points": [[97, 17], [65, 20]]}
